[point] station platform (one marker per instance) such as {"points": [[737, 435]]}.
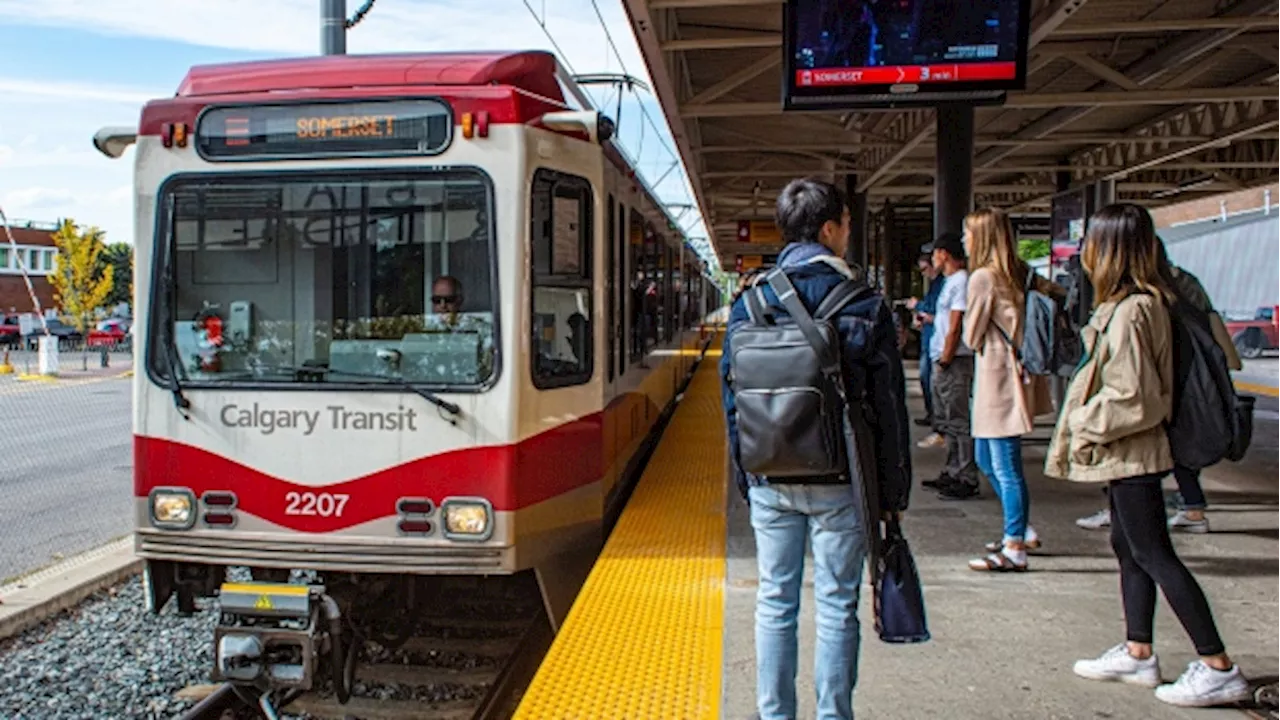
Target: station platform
{"points": [[664, 626]]}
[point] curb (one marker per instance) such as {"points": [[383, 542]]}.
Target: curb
{"points": [[1257, 389], [24, 377], [31, 600]]}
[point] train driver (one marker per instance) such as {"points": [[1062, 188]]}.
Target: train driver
{"points": [[446, 316], [446, 299]]}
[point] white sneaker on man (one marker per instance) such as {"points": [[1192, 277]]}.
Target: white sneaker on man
{"points": [[932, 440], [1203, 686], [1096, 521], [1117, 664], [1180, 522]]}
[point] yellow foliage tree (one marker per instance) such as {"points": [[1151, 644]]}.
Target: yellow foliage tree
{"points": [[80, 283]]}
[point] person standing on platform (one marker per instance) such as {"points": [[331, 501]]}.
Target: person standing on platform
{"points": [[1190, 500], [952, 377], [924, 309], [825, 510], [1112, 429], [1006, 400]]}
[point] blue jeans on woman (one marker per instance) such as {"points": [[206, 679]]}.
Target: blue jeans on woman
{"points": [[1000, 459], [783, 516]]}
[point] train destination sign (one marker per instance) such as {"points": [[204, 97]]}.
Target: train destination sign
{"points": [[347, 129]]}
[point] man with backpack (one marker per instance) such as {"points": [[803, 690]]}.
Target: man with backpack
{"points": [[814, 398]]}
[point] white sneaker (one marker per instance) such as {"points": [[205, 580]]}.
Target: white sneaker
{"points": [[1096, 521], [1118, 664], [932, 440], [1181, 522], [1202, 686]]}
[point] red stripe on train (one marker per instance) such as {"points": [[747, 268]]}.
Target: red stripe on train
{"points": [[509, 476]]}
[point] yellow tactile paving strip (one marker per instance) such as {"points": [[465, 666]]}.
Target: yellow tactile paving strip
{"points": [[644, 638]]}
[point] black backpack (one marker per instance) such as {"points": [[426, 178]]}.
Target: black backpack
{"points": [[1210, 421], [788, 385]]}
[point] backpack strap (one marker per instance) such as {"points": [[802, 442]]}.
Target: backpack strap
{"points": [[786, 292], [840, 296], [757, 309]]}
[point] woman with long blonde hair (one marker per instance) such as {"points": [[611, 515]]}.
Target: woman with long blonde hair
{"points": [[1112, 429], [1006, 399]]}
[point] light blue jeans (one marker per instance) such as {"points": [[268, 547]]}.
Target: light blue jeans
{"points": [[783, 517], [1000, 459]]}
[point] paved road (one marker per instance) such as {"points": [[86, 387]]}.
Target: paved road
{"points": [[65, 469]]}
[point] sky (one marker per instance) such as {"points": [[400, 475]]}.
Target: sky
{"points": [[71, 67]]}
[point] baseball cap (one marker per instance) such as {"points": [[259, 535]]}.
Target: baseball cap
{"points": [[952, 242]]}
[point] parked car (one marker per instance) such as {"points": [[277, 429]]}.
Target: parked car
{"points": [[1252, 337], [109, 333], [10, 331], [67, 335]]}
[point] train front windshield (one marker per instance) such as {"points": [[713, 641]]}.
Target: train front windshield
{"points": [[352, 277]]}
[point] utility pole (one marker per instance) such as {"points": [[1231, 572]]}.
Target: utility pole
{"points": [[333, 27]]}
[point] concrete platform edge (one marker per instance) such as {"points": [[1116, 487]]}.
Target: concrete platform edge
{"points": [[43, 595]]}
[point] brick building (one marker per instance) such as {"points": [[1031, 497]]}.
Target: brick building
{"points": [[36, 248]]}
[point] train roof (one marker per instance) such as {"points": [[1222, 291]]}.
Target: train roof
{"points": [[535, 75], [533, 71]]}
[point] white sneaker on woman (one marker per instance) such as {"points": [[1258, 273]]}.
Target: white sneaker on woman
{"points": [[1117, 664], [1203, 686]]}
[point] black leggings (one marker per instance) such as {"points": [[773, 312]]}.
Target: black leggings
{"points": [[1140, 538]]}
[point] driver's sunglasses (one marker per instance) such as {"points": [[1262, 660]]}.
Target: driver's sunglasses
{"points": [[443, 299]]}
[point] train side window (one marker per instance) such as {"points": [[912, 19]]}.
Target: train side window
{"points": [[610, 311], [620, 292], [561, 346]]}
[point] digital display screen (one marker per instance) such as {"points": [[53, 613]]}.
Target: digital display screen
{"points": [[877, 46], [346, 129]]}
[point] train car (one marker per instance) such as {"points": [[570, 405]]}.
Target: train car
{"points": [[399, 319]]}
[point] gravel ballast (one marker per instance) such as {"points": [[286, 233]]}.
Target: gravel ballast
{"points": [[107, 658]]}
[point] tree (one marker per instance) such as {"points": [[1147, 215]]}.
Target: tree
{"points": [[119, 256], [80, 284], [1033, 248]]}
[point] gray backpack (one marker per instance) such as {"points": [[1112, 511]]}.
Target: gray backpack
{"points": [[1050, 343], [788, 386]]}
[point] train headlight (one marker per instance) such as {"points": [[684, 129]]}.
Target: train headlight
{"points": [[467, 519], [173, 508]]}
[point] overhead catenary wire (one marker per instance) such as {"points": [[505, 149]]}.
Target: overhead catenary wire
{"points": [[701, 243], [360, 14]]}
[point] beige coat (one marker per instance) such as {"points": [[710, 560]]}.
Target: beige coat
{"points": [[1005, 401], [1113, 421]]}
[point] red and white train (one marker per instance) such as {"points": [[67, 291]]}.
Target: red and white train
{"points": [[397, 316]]}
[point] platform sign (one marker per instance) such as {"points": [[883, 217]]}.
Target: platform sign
{"points": [[763, 232], [749, 262]]}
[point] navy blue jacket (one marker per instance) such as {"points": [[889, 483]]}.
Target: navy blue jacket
{"points": [[929, 305], [872, 366]]}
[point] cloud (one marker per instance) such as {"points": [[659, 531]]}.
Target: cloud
{"points": [[19, 202], [17, 89], [293, 26]]}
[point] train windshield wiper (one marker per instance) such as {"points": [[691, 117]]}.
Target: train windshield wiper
{"points": [[315, 372], [427, 395]]}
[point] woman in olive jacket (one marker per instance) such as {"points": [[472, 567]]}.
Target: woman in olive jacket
{"points": [[1112, 429]]}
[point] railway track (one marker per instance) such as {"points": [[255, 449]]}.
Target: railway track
{"points": [[468, 661]]}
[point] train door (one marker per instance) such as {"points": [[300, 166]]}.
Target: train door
{"points": [[613, 429]]}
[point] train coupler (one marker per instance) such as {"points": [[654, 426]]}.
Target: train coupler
{"points": [[270, 635]]}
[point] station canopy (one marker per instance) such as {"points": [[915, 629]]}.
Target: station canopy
{"points": [[1170, 99]]}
